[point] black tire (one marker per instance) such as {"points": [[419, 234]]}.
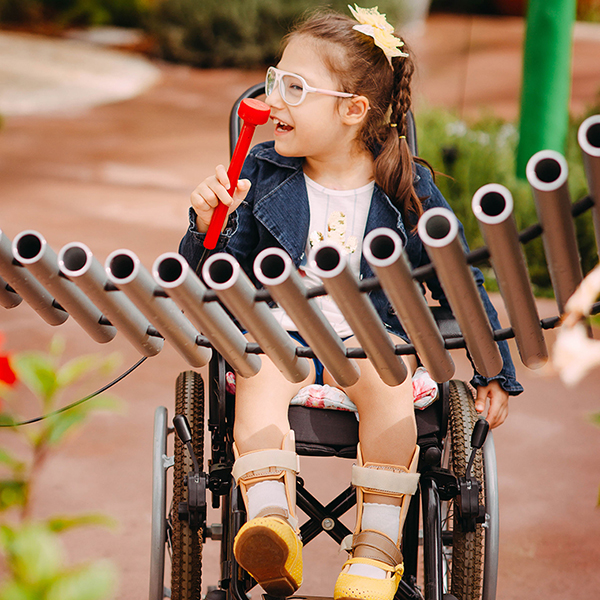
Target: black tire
{"points": [[186, 559], [467, 547]]}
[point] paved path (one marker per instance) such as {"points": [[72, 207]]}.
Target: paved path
{"points": [[119, 175]]}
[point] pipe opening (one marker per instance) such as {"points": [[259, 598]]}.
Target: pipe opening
{"points": [[170, 270], [492, 204], [327, 259], [74, 259], [548, 170], [121, 266], [593, 135], [220, 271], [437, 227], [272, 266], [382, 247], [29, 246]]}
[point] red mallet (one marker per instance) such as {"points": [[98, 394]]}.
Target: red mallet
{"points": [[252, 112]]}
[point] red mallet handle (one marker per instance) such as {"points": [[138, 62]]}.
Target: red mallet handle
{"points": [[252, 112]]}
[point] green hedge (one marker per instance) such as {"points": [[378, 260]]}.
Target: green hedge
{"points": [[469, 155], [234, 33]]}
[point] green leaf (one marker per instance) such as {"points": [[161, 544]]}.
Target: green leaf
{"points": [[90, 582], [595, 418], [15, 590], [12, 493], [37, 371], [62, 523], [75, 369]]}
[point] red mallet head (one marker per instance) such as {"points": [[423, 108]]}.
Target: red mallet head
{"points": [[253, 111]]}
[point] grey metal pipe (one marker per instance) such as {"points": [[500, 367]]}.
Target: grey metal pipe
{"points": [[78, 263], [275, 270], [331, 265], [493, 206], [31, 249], [27, 286], [438, 229], [8, 297], [125, 270], [547, 173], [589, 142], [224, 274], [383, 249], [172, 272]]}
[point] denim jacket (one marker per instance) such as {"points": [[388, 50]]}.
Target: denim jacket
{"points": [[276, 213]]}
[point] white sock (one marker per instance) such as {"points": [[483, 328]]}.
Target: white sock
{"points": [[266, 494], [380, 517]]}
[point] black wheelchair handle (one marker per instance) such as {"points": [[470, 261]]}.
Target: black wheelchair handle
{"points": [[183, 429]]}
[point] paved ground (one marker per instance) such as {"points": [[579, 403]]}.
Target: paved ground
{"points": [[119, 175]]}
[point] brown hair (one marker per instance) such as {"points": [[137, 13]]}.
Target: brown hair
{"points": [[360, 67]]}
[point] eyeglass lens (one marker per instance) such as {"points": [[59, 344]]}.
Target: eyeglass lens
{"points": [[291, 87]]}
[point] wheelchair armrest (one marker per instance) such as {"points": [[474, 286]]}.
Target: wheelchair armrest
{"points": [[446, 322]]}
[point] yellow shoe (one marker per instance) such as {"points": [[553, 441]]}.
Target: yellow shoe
{"points": [[269, 549], [358, 587]]}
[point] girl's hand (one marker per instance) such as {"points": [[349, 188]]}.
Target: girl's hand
{"points": [[498, 410], [213, 190]]}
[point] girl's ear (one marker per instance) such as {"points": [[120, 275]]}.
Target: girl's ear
{"points": [[354, 110]]}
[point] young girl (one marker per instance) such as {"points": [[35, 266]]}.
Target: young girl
{"points": [[340, 162]]}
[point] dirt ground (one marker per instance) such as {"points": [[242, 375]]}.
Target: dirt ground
{"points": [[119, 176]]}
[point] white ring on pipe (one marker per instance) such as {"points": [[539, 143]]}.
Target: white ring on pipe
{"points": [[174, 282], [134, 271], [235, 271], [452, 224], [328, 273], [75, 246], [533, 178], [492, 188], [285, 273], [394, 255], [20, 236], [582, 137]]}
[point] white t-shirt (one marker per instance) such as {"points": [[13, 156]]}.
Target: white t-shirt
{"points": [[339, 216]]}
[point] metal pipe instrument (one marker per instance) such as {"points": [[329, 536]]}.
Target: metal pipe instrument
{"points": [[547, 173], [125, 270], [493, 206], [27, 286], [233, 287], [78, 263], [384, 251], [172, 272], [274, 269], [331, 265], [31, 249], [438, 229], [588, 137], [8, 297]]}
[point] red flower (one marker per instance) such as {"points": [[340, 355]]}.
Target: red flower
{"points": [[7, 375]]}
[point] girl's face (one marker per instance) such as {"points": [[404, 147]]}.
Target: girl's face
{"points": [[315, 128]]}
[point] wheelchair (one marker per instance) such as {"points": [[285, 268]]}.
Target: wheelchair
{"points": [[451, 534]]}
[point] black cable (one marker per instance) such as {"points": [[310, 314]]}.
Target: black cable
{"points": [[78, 402]]}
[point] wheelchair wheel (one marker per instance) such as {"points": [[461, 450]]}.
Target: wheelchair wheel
{"points": [[186, 559], [467, 547]]}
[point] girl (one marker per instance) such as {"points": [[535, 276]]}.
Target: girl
{"points": [[339, 162]]}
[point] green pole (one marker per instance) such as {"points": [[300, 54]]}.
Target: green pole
{"points": [[546, 83]]}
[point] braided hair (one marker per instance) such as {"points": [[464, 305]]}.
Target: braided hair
{"points": [[360, 67]]}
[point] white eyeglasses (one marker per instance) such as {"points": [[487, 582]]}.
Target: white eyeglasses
{"points": [[293, 88]]}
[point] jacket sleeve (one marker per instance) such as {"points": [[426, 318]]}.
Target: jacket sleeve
{"points": [[507, 376]]}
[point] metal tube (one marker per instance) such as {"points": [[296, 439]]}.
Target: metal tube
{"points": [[274, 269], [172, 272], [589, 142], [31, 249], [224, 274], [438, 229], [125, 270], [547, 174], [8, 297], [77, 262], [331, 265], [27, 286], [493, 207], [384, 251]]}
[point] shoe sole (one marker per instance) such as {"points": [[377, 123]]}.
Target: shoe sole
{"points": [[263, 553]]}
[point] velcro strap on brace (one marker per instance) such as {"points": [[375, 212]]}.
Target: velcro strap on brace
{"points": [[265, 461], [376, 546], [382, 480]]}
